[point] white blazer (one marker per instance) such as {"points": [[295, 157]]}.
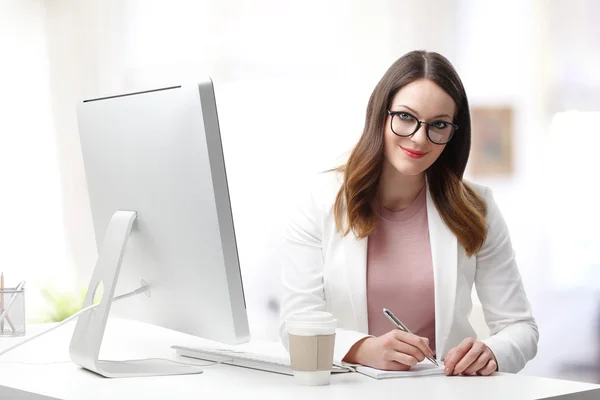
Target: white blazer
{"points": [[322, 270]]}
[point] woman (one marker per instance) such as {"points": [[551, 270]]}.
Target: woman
{"points": [[397, 227]]}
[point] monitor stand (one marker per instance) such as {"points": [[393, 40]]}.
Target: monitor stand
{"points": [[89, 331]]}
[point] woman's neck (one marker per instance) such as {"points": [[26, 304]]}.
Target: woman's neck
{"points": [[396, 191]]}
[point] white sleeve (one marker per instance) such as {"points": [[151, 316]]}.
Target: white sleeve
{"points": [[514, 332], [302, 270]]}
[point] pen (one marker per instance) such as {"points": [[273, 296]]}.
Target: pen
{"points": [[390, 315]]}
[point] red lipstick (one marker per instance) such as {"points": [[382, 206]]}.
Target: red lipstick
{"points": [[413, 153]]}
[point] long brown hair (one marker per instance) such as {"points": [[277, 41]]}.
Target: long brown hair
{"points": [[461, 208]]}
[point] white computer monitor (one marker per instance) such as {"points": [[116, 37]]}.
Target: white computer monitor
{"points": [[161, 212]]}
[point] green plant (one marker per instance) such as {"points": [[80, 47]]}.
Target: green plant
{"points": [[61, 305]]}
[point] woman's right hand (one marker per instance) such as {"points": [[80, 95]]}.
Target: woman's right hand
{"points": [[394, 351]]}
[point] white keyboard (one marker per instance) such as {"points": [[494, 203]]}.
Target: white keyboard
{"points": [[278, 362]]}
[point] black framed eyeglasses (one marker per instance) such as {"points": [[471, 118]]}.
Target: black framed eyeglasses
{"points": [[405, 124]]}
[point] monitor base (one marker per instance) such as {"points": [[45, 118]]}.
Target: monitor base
{"points": [[89, 331], [147, 367]]}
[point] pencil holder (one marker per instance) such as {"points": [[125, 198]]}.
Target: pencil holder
{"points": [[12, 312]]}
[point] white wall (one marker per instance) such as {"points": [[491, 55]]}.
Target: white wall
{"points": [[541, 57], [82, 42], [32, 244], [572, 186], [499, 59]]}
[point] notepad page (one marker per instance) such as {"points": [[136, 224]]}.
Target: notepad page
{"points": [[421, 369]]}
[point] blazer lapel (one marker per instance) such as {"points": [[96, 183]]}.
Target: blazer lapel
{"points": [[355, 251], [444, 253]]}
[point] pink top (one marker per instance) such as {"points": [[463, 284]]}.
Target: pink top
{"points": [[400, 270]]}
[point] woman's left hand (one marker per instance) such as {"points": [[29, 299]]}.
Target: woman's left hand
{"points": [[471, 357]]}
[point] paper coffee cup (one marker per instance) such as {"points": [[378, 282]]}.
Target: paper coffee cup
{"points": [[311, 342]]}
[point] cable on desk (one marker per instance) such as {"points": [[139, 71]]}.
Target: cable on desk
{"points": [[124, 361], [31, 363], [139, 290]]}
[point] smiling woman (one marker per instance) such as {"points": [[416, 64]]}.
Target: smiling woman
{"points": [[415, 105], [398, 228]]}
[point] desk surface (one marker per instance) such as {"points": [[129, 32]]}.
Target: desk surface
{"points": [[54, 375]]}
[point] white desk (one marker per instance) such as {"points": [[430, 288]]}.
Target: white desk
{"points": [[128, 339]]}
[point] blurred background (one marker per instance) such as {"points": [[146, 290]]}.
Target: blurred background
{"points": [[292, 81]]}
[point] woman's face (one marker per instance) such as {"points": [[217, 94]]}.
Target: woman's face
{"points": [[421, 100]]}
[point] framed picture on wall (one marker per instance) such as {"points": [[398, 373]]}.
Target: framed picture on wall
{"points": [[491, 141]]}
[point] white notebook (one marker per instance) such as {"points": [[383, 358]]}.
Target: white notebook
{"points": [[421, 369]]}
